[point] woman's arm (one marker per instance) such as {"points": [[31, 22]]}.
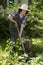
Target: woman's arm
{"points": [[23, 25], [21, 30], [11, 19]]}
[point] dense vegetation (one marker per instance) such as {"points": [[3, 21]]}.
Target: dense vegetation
{"points": [[8, 56]]}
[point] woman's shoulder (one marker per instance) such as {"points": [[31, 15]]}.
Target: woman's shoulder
{"points": [[15, 12]]}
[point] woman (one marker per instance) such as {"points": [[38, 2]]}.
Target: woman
{"points": [[18, 20]]}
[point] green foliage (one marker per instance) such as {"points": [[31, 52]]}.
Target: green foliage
{"points": [[12, 52], [3, 3], [11, 57], [34, 27], [38, 60], [4, 29]]}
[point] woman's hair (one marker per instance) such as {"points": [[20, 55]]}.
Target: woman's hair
{"points": [[20, 10], [26, 12]]}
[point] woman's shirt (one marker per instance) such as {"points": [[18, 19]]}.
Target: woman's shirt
{"points": [[19, 21]]}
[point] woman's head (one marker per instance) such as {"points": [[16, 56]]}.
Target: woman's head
{"points": [[24, 9], [24, 12]]}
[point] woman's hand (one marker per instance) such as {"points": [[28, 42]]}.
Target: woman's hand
{"points": [[21, 30], [20, 35]]}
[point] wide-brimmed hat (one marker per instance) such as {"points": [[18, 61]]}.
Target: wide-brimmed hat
{"points": [[24, 7]]}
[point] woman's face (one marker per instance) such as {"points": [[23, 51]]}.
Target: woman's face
{"points": [[23, 12]]}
